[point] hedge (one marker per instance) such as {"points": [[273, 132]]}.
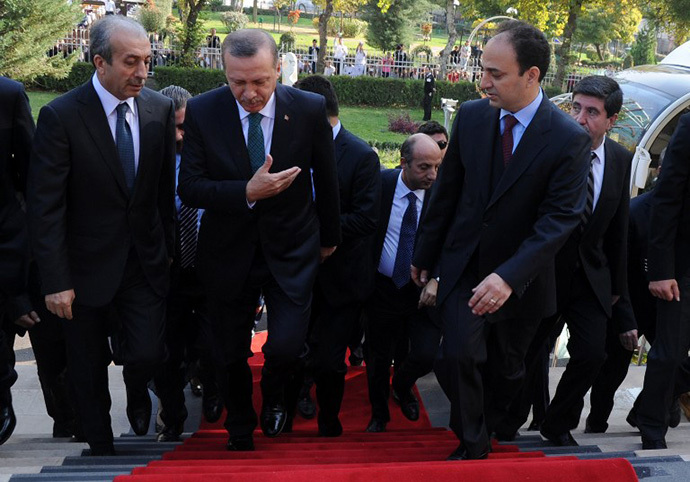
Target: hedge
{"points": [[80, 73], [369, 91]]}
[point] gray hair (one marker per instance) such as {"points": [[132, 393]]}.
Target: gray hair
{"points": [[247, 42], [179, 95], [103, 29]]}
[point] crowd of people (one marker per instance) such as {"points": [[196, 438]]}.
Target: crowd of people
{"points": [[143, 228]]}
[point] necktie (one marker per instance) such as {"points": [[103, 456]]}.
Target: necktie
{"points": [[125, 145], [507, 138], [189, 235], [408, 229], [255, 142], [589, 206]]}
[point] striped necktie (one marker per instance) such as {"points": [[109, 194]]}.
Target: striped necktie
{"points": [[408, 230], [509, 122], [589, 206], [188, 219], [125, 145], [255, 142]]}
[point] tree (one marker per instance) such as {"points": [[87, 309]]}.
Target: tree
{"points": [[393, 22], [600, 24], [670, 15], [28, 29], [192, 33], [327, 9], [452, 36], [642, 51]]}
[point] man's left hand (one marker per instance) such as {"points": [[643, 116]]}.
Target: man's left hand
{"points": [[326, 252], [28, 320], [490, 295], [628, 339]]}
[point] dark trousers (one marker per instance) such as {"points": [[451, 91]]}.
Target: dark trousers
{"points": [[231, 322], [7, 373], [666, 374], [138, 343], [426, 103], [187, 341], [480, 367], [392, 317], [587, 324], [331, 331]]}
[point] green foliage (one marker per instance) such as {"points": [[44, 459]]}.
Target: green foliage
{"points": [[642, 51], [196, 81], [351, 28], [234, 20], [287, 40], [28, 29], [80, 73], [151, 17], [390, 22], [422, 49], [364, 91]]}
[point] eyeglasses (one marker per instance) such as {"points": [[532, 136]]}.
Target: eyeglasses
{"points": [[442, 144]]}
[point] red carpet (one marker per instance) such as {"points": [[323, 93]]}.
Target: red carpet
{"points": [[407, 452]]}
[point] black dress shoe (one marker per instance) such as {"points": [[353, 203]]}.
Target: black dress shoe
{"points": [[649, 444], [240, 443], [273, 420], [534, 426], [330, 428], [559, 439], [408, 404], [306, 407], [102, 451], [196, 386], [376, 425], [461, 453], [170, 434], [632, 418], [212, 407], [591, 428], [138, 409], [7, 422]]}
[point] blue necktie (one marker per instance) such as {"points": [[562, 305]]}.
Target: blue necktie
{"points": [[255, 142], [408, 229], [188, 219], [125, 145]]}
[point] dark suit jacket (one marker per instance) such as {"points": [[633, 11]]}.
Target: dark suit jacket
{"points": [[669, 240], [16, 132], [347, 276], [289, 228], [601, 249], [389, 179], [516, 229], [82, 219]]}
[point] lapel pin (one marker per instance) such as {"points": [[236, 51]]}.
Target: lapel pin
{"points": [[287, 118]]}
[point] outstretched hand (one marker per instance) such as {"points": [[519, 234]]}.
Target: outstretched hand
{"points": [[264, 184]]}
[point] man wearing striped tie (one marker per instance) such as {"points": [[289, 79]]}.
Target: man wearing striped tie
{"points": [[591, 269]]}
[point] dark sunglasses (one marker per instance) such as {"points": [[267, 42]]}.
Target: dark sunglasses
{"points": [[442, 144]]}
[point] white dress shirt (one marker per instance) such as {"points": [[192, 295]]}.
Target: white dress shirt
{"points": [[598, 171], [267, 121], [110, 103], [524, 116], [390, 242]]}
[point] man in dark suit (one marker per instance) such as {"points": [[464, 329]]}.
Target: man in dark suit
{"points": [[101, 217], [394, 309], [266, 224], [591, 269], [429, 89], [345, 279], [669, 275], [510, 192], [16, 132]]}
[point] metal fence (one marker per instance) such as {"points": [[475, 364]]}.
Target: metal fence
{"points": [[375, 65]]}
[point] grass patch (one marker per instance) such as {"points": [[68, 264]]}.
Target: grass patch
{"points": [[39, 99]]}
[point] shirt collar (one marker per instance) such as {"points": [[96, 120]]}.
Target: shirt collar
{"points": [[336, 130], [108, 100], [269, 109], [403, 190], [525, 115], [599, 151]]}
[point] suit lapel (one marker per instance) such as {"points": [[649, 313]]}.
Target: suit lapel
{"points": [[478, 163], [229, 133], [145, 155], [531, 144], [281, 126], [94, 118], [340, 145]]}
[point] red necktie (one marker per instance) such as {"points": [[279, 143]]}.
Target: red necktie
{"points": [[507, 138]]}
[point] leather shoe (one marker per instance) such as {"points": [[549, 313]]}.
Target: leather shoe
{"points": [[534, 426], [559, 439], [170, 434], [632, 418], [7, 423], [461, 453], [212, 407], [649, 444], [139, 409], [240, 443], [306, 407], [196, 386], [590, 428], [273, 420], [330, 428], [376, 425], [408, 404]]}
